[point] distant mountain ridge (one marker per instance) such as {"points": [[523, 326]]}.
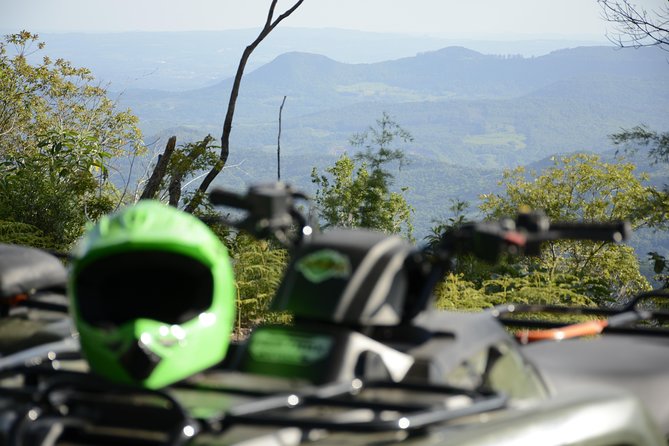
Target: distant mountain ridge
{"points": [[462, 106], [179, 61], [457, 72]]}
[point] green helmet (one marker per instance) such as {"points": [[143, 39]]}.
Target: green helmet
{"points": [[152, 295]]}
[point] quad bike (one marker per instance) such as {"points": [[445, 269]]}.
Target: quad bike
{"points": [[366, 360]]}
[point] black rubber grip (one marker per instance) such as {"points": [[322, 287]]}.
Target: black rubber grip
{"points": [[610, 232], [227, 198]]}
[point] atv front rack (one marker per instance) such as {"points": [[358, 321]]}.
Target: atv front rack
{"points": [[79, 408]]}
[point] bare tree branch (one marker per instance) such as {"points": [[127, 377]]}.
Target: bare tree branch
{"points": [[126, 182], [234, 93], [636, 27]]}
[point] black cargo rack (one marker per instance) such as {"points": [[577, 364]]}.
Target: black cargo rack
{"points": [[385, 415], [92, 410]]}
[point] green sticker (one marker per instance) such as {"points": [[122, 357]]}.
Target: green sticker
{"points": [[323, 265], [282, 347]]}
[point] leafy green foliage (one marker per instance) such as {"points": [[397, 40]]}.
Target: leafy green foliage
{"points": [[456, 292], [357, 193], [376, 142], [579, 187], [23, 234], [474, 285], [58, 132], [660, 268], [50, 203], [471, 283], [456, 220], [258, 268]]}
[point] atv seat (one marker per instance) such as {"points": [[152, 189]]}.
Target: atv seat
{"points": [[31, 277]]}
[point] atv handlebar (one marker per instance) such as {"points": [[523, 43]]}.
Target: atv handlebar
{"points": [[270, 211], [606, 232], [488, 240], [227, 198]]}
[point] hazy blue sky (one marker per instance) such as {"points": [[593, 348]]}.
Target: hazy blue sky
{"points": [[470, 18]]}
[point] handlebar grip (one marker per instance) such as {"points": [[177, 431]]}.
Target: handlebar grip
{"points": [[607, 232], [227, 198]]}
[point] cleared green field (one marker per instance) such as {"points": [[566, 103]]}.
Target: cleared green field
{"points": [[501, 139]]}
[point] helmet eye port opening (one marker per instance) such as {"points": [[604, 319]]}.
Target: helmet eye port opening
{"points": [[149, 284]]}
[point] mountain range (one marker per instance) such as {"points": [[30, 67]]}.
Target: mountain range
{"points": [[179, 61], [462, 106]]}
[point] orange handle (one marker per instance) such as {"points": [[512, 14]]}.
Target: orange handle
{"points": [[588, 328], [14, 300]]}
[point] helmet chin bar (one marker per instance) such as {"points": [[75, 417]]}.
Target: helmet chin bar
{"points": [[139, 361]]}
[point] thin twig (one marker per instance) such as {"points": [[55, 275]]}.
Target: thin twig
{"points": [[278, 143]]}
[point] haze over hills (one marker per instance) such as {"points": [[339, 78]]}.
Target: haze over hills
{"points": [[461, 106], [178, 61]]}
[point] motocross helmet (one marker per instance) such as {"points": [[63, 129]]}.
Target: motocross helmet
{"points": [[152, 295]]}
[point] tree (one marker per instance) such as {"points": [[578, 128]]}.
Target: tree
{"points": [[640, 136], [377, 141], [23, 234], [657, 208], [456, 220], [357, 191], [636, 27], [214, 167], [656, 146], [472, 284], [581, 187], [459, 292], [58, 132], [270, 24]]}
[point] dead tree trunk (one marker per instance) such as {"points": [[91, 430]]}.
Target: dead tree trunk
{"points": [[278, 144], [196, 150], [269, 25], [153, 185]]}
